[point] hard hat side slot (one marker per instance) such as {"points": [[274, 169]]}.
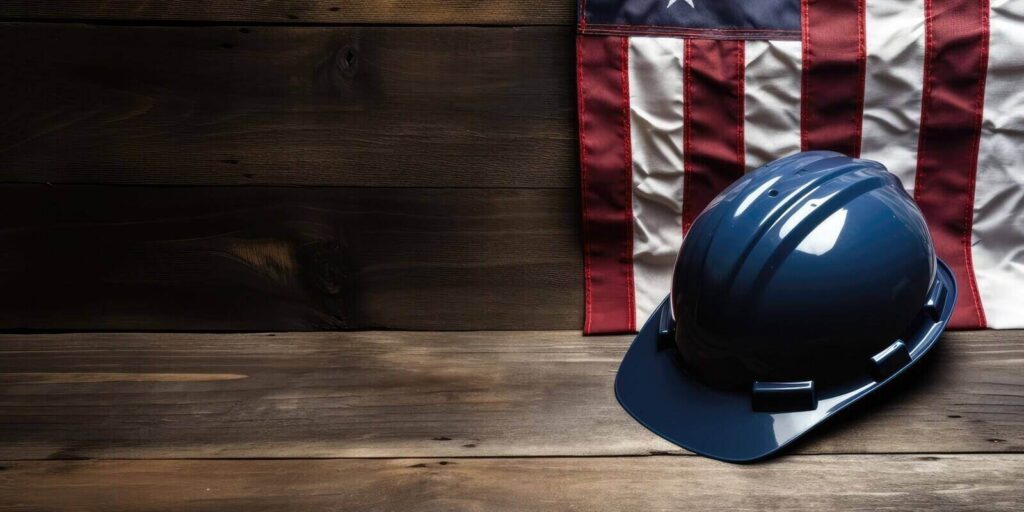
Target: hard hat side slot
{"points": [[889, 361], [936, 301], [784, 396], [666, 326]]}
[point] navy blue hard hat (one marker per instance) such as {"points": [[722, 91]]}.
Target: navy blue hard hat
{"points": [[803, 287]]}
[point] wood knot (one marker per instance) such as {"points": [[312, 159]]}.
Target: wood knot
{"points": [[347, 60], [326, 265]]}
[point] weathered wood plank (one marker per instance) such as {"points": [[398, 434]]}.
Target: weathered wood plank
{"points": [[415, 394], [263, 258], [823, 483], [355, 106], [445, 12]]}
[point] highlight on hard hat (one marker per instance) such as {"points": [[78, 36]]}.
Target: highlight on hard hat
{"points": [[803, 287]]}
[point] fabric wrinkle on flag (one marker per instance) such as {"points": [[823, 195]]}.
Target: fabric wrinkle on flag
{"points": [[709, 90]]}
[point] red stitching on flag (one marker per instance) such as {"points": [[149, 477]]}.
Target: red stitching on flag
{"points": [[832, 79], [687, 149], [926, 96], [606, 183], [628, 187], [741, 101], [805, 45], [580, 107], [693, 30], [979, 109], [690, 33], [950, 137], [713, 122], [857, 117]]}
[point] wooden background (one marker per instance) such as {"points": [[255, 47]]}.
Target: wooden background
{"points": [[267, 166], [186, 187]]}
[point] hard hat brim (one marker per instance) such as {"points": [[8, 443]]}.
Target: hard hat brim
{"points": [[652, 386]]}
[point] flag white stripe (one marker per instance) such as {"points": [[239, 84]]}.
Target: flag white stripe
{"points": [[895, 37], [656, 122], [771, 125], [998, 232]]}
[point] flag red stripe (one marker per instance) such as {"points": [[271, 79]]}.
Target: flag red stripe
{"points": [[832, 83], [713, 151], [956, 63], [607, 181]]}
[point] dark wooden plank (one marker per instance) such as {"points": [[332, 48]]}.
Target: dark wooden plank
{"points": [[444, 12], [822, 483], [262, 258], [400, 106], [415, 394]]}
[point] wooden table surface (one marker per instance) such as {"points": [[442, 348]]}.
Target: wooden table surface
{"points": [[197, 195], [470, 421]]}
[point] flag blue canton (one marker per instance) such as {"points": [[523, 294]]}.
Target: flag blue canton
{"points": [[695, 14]]}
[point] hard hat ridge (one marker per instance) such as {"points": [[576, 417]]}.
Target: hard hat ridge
{"points": [[787, 218]]}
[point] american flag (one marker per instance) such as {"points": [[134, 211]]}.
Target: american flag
{"points": [[678, 98]]}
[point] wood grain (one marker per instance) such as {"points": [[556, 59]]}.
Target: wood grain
{"points": [[263, 258], [446, 12], [417, 394], [821, 483], [227, 105]]}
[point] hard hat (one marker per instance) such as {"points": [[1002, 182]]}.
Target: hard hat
{"points": [[803, 287]]}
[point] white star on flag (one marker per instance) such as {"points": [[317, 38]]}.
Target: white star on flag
{"points": [[690, 2]]}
